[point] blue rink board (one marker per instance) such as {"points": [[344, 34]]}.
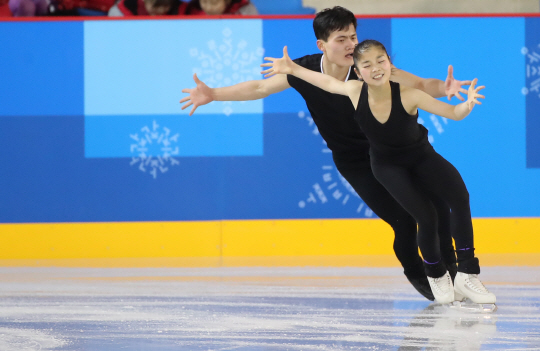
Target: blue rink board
{"points": [[489, 146], [531, 52], [69, 156], [42, 68]]}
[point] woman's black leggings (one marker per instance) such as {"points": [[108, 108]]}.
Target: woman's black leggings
{"points": [[360, 176], [412, 180]]}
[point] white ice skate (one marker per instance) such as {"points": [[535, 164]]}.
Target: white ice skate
{"points": [[442, 288], [470, 294]]}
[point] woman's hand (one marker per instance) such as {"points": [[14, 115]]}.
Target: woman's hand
{"points": [[472, 95], [282, 65]]}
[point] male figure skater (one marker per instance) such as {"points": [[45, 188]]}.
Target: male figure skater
{"points": [[335, 30]]}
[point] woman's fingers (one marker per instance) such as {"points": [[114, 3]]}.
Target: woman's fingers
{"points": [[187, 105]]}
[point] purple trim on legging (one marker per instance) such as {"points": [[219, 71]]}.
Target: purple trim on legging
{"points": [[432, 263]]}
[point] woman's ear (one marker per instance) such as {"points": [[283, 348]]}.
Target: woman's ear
{"points": [[358, 74]]}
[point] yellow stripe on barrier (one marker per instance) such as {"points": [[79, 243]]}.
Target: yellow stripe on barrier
{"points": [[110, 240], [329, 242]]}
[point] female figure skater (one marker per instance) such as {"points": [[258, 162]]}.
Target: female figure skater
{"points": [[404, 161]]}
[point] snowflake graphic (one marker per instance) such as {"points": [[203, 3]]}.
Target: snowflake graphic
{"points": [[436, 126], [227, 63], [154, 149], [532, 57], [332, 182]]}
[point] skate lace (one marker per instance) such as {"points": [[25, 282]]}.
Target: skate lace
{"points": [[443, 282], [475, 284]]}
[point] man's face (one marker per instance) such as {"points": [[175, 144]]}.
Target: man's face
{"points": [[340, 46], [214, 7]]}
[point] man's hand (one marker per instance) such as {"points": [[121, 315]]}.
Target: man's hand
{"points": [[198, 96], [453, 87], [282, 65]]}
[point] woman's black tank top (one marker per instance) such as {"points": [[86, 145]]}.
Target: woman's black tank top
{"points": [[399, 135]]}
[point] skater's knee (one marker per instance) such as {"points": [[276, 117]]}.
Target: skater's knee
{"points": [[404, 227], [428, 223], [459, 199]]}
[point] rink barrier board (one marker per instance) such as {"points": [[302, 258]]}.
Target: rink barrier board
{"points": [[325, 242]]}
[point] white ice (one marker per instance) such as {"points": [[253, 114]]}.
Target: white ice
{"points": [[256, 309]]}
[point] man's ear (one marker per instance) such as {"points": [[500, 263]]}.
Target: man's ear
{"points": [[320, 44]]}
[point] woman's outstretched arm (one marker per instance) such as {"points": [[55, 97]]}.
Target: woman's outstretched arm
{"points": [[458, 112], [285, 65]]}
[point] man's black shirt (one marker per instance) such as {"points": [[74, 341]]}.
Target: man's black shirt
{"points": [[332, 113]]}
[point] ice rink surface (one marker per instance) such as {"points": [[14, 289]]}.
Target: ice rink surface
{"points": [[256, 309]]}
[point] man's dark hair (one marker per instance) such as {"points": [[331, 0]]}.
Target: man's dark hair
{"points": [[332, 19]]}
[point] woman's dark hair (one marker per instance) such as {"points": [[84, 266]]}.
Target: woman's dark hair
{"points": [[364, 46], [332, 19]]}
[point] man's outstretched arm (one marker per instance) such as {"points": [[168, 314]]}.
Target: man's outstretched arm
{"points": [[202, 94], [434, 87]]}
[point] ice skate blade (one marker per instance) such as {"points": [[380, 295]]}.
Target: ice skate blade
{"points": [[469, 306]]}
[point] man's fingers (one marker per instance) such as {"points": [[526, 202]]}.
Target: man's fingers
{"points": [[192, 110], [185, 99], [269, 75], [285, 52], [195, 78], [270, 70], [460, 98], [464, 91], [465, 82], [450, 71]]}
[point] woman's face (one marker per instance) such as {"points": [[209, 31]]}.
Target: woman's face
{"points": [[214, 7], [374, 66]]}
